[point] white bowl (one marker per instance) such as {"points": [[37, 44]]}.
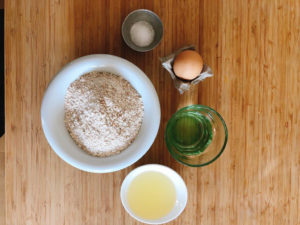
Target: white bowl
{"points": [[52, 114], [180, 187]]}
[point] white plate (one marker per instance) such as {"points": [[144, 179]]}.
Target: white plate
{"points": [[179, 184], [52, 114]]}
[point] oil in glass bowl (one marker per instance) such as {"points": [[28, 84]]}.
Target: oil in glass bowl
{"points": [[196, 135]]}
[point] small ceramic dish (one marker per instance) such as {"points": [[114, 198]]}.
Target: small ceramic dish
{"points": [[179, 184]]}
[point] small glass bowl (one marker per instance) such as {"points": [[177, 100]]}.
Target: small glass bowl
{"points": [[196, 135]]}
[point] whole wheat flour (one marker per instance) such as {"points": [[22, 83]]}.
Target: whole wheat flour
{"points": [[103, 113]]}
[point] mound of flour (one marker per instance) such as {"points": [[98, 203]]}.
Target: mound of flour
{"points": [[103, 113]]}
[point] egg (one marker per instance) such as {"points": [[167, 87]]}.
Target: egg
{"points": [[188, 65]]}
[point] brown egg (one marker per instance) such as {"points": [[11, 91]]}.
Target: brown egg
{"points": [[188, 65]]}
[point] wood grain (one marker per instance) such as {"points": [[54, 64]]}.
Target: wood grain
{"points": [[2, 181], [253, 48], [2, 167]]}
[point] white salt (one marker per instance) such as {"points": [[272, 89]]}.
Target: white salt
{"points": [[142, 33]]}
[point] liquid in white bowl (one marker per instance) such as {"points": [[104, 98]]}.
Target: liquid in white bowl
{"points": [[151, 195], [154, 194]]}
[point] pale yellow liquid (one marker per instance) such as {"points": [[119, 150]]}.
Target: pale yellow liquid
{"points": [[151, 195]]}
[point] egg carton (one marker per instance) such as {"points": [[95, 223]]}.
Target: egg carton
{"points": [[183, 85]]}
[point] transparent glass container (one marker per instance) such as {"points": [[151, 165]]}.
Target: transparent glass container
{"points": [[196, 135]]}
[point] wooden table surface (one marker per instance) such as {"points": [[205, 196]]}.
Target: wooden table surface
{"points": [[253, 48]]}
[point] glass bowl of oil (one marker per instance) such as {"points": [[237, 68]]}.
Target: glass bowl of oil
{"points": [[154, 194], [196, 135]]}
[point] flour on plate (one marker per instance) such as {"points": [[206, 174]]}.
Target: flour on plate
{"points": [[103, 113]]}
